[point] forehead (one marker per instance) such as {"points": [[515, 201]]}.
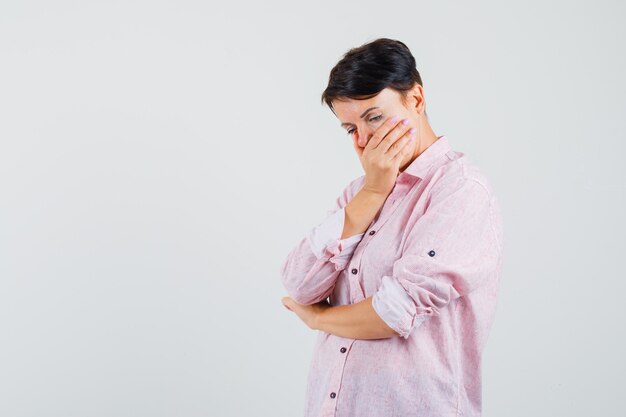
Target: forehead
{"points": [[351, 109]]}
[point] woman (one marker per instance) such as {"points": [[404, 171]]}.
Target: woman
{"points": [[409, 256]]}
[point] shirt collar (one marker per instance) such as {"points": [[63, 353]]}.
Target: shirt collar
{"points": [[421, 165]]}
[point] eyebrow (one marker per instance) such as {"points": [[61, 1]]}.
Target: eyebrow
{"points": [[362, 116]]}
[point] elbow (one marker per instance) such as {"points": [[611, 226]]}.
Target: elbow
{"points": [[303, 285], [291, 283], [302, 294]]}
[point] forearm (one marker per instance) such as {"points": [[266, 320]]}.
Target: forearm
{"points": [[360, 212], [354, 321]]}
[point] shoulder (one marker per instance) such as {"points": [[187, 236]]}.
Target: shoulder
{"points": [[459, 175], [460, 185]]}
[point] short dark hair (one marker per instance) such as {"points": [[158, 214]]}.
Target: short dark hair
{"points": [[365, 71]]}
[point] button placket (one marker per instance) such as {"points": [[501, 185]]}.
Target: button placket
{"points": [[355, 287], [329, 406]]}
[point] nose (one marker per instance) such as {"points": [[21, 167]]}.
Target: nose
{"points": [[364, 136]]}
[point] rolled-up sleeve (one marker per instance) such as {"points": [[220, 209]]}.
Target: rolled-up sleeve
{"points": [[311, 269], [325, 239], [450, 250]]}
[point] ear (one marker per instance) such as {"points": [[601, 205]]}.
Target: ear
{"points": [[416, 98]]}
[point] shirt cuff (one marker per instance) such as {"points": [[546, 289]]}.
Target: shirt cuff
{"points": [[324, 238], [395, 307]]}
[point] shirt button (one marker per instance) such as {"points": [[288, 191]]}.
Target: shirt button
{"points": [[372, 232], [354, 270], [431, 253], [342, 350], [333, 395]]}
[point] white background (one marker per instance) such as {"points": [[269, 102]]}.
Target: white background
{"points": [[158, 160]]}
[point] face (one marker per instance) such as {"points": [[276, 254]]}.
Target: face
{"points": [[361, 118]]}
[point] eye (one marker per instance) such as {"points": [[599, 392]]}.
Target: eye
{"points": [[373, 119]]}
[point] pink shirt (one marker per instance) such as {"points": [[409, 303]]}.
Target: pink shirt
{"points": [[432, 260]]}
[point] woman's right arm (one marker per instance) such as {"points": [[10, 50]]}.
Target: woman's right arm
{"points": [[310, 272], [311, 269], [361, 211]]}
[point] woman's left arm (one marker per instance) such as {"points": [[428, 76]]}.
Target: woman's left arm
{"points": [[454, 248], [353, 321]]}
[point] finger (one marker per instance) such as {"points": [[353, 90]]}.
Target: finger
{"points": [[401, 146], [382, 131], [285, 302], [395, 135]]}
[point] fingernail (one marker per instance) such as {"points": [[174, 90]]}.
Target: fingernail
{"points": [[394, 119], [412, 130], [405, 121]]}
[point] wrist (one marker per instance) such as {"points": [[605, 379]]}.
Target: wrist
{"points": [[318, 319], [374, 195]]}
